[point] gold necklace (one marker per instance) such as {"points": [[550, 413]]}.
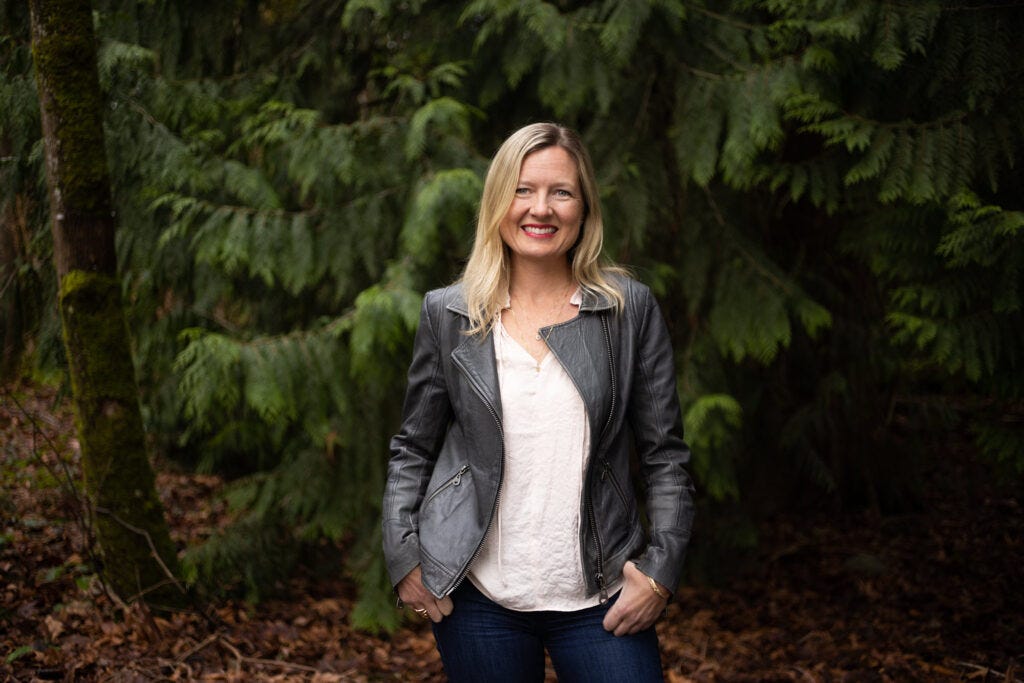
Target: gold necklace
{"points": [[565, 298]]}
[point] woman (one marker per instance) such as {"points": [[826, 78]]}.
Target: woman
{"points": [[509, 514]]}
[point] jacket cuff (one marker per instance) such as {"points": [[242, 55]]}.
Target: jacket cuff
{"points": [[403, 551], [654, 563]]}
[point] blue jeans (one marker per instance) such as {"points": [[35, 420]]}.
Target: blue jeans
{"points": [[483, 641]]}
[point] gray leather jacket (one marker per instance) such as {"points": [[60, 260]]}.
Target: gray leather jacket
{"points": [[445, 472]]}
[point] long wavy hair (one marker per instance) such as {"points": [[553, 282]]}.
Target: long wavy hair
{"points": [[485, 280]]}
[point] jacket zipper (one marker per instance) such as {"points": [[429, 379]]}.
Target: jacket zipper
{"points": [[591, 515], [454, 481], [599, 574]]}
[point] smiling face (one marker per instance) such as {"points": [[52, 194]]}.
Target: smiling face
{"points": [[543, 221]]}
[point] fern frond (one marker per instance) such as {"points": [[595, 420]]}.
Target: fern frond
{"points": [[712, 422]]}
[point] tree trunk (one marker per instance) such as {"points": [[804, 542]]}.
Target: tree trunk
{"points": [[139, 560], [10, 317]]}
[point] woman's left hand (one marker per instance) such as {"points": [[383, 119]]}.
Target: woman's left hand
{"points": [[637, 606]]}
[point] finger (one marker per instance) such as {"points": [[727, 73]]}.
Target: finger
{"points": [[411, 589], [635, 626], [629, 627], [435, 613], [612, 619], [409, 596], [624, 627], [623, 619], [446, 605], [642, 623]]}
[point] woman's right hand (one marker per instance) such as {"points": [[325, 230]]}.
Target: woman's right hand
{"points": [[416, 597]]}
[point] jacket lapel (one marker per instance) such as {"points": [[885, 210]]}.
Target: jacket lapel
{"points": [[475, 358], [579, 345]]}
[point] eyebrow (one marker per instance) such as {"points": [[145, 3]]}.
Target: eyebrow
{"points": [[557, 186]]}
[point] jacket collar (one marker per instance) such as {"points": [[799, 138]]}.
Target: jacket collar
{"points": [[592, 302], [579, 345]]}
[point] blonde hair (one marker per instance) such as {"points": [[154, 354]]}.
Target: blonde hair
{"points": [[485, 280]]}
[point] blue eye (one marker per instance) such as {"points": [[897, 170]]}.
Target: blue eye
{"points": [[522, 191]]}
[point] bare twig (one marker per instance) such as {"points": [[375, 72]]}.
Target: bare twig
{"points": [[80, 509], [152, 548], [10, 280], [259, 662], [208, 641], [234, 650], [1010, 675], [281, 664]]}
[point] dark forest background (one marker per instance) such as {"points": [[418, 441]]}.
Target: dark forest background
{"points": [[826, 197]]}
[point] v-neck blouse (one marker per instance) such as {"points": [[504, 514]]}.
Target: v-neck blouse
{"points": [[530, 559]]}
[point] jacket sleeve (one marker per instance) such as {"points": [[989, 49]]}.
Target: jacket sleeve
{"points": [[656, 421], [426, 415]]}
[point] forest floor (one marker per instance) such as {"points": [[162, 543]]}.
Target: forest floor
{"points": [[934, 595]]}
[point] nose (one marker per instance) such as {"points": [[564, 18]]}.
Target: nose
{"points": [[541, 206]]}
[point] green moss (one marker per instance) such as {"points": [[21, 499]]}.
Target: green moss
{"points": [[95, 330], [64, 51], [118, 476]]}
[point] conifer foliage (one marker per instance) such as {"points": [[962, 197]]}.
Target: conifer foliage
{"points": [[826, 197]]}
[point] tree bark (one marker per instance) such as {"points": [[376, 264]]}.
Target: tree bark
{"points": [[10, 317], [139, 560]]}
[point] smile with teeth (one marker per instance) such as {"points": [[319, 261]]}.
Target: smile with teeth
{"points": [[540, 230]]}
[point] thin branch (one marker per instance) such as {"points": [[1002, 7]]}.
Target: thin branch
{"points": [[149, 540], [743, 251], [1010, 676], [280, 664], [705, 74], [257, 661], [729, 21], [725, 57], [10, 280], [208, 641], [224, 642], [80, 510]]}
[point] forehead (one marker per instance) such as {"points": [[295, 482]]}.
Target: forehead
{"points": [[550, 164]]}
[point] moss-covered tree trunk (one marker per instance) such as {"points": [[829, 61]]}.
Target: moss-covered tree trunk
{"points": [[138, 556]]}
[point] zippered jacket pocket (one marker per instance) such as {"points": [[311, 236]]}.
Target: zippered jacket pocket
{"points": [[454, 480], [609, 475]]}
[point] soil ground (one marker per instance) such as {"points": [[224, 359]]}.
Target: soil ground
{"points": [[935, 595]]}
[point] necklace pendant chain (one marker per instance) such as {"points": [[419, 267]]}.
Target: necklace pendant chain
{"points": [[554, 316]]}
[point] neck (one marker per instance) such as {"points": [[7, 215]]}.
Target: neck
{"points": [[533, 281]]}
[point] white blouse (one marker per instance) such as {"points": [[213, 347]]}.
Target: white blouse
{"points": [[530, 559]]}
